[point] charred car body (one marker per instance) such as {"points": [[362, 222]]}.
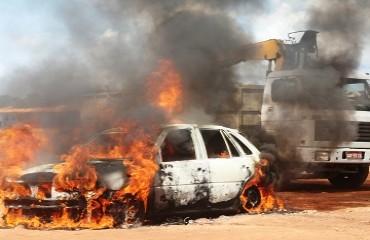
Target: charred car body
{"points": [[200, 168]]}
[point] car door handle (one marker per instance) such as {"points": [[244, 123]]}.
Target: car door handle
{"points": [[270, 109]]}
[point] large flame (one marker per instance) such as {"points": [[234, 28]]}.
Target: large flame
{"points": [[75, 173], [19, 145], [165, 88]]}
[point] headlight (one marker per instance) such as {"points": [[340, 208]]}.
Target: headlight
{"points": [[63, 195], [322, 156]]}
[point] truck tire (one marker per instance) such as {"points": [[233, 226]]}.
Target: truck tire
{"points": [[350, 180]]}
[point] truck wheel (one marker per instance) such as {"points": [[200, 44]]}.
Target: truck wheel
{"points": [[350, 180], [253, 199]]}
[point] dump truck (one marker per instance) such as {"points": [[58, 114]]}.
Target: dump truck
{"points": [[315, 121]]}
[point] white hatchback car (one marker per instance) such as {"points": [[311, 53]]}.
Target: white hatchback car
{"points": [[200, 168]]}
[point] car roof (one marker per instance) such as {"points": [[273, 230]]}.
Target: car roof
{"points": [[181, 125]]}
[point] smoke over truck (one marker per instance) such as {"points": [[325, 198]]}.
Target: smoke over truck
{"points": [[315, 120]]}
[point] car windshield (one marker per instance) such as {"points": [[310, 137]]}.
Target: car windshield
{"points": [[106, 145]]}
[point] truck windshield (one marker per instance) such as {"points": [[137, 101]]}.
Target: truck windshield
{"points": [[357, 91], [327, 91]]}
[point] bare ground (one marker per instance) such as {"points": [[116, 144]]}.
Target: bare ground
{"points": [[314, 210]]}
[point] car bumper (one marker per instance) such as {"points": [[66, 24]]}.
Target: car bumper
{"points": [[33, 203]]}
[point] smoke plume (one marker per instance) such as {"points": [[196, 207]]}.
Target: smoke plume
{"points": [[341, 25], [114, 46]]}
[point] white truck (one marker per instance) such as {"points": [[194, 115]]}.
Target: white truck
{"points": [[316, 122]]}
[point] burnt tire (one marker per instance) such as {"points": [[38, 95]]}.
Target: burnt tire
{"points": [[350, 180], [253, 196], [126, 213], [135, 213]]}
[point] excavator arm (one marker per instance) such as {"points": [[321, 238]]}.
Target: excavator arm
{"points": [[284, 55]]}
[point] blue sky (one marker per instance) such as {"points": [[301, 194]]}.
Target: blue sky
{"points": [[31, 29]]}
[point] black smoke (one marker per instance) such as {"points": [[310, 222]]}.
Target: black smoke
{"points": [[342, 26], [195, 51], [113, 46]]}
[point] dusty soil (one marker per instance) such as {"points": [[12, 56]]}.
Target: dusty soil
{"points": [[314, 210]]}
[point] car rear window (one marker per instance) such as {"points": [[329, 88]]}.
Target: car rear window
{"points": [[241, 144]]}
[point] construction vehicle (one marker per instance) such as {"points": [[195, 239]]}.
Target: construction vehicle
{"points": [[315, 121]]}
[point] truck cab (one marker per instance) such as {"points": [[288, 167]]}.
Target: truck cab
{"points": [[320, 124]]}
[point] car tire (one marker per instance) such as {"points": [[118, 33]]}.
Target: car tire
{"points": [[350, 180], [128, 213], [253, 199], [134, 213]]}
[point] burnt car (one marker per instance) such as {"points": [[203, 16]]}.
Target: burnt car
{"points": [[200, 169]]}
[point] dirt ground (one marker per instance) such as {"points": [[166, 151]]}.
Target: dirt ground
{"points": [[314, 210]]}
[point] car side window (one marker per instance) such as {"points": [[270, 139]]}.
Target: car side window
{"points": [[177, 146], [215, 144]]}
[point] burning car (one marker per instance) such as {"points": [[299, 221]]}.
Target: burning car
{"points": [[186, 168]]}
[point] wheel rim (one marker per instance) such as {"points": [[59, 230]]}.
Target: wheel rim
{"points": [[253, 197]]}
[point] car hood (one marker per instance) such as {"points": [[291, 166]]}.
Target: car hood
{"points": [[111, 173]]}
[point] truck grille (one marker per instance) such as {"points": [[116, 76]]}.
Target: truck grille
{"points": [[326, 130], [363, 132]]}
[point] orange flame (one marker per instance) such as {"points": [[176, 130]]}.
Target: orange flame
{"points": [[18, 147], [164, 88], [269, 201], [141, 169], [76, 173]]}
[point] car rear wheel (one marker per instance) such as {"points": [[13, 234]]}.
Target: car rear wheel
{"points": [[350, 180], [252, 196]]}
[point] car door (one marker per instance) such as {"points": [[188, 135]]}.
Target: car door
{"points": [[229, 166], [182, 179]]}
